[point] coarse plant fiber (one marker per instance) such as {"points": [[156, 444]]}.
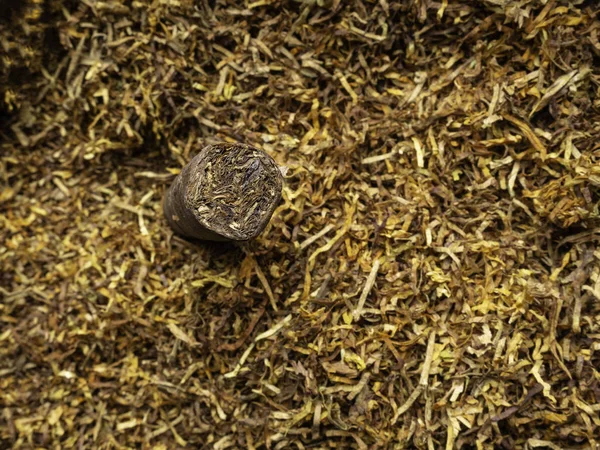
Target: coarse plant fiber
{"points": [[431, 278]]}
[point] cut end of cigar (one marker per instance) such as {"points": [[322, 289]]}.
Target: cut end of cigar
{"points": [[234, 190]]}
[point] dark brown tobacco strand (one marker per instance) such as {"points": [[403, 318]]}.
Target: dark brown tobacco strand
{"points": [[27, 43], [227, 192]]}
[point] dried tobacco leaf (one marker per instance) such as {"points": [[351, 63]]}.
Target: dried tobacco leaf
{"points": [[28, 40], [432, 277]]}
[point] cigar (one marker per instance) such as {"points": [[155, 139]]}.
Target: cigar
{"points": [[227, 192]]}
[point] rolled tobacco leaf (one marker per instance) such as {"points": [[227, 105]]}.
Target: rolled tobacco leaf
{"points": [[227, 192]]}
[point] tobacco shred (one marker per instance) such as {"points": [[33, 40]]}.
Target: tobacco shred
{"points": [[431, 278]]}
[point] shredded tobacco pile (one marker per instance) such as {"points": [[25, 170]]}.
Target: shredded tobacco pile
{"points": [[430, 280]]}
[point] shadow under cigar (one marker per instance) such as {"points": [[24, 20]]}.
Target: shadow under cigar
{"points": [[213, 247]]}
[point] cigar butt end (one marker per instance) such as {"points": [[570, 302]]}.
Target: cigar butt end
{"points": [[228, 192]]}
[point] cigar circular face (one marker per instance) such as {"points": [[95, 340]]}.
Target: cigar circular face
{"points": [[235, 190]]}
